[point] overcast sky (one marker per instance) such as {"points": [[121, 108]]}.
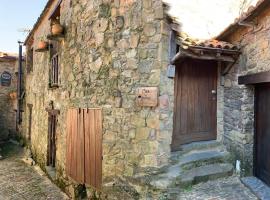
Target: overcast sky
{"points": [[200, 18], [204, 19]]}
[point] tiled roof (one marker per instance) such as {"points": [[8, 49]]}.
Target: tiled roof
{"points": [[8, 56], [205, 50], [252, 12], [212, 43]]}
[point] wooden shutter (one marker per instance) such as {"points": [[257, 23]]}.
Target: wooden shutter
{"points": [[93, 147], [84, 146], [75, 146]]}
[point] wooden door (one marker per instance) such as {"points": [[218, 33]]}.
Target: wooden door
{"points": [[84, 146], [195, 114], [51, 147], [30, 109], [51, 157], [262, 136]]}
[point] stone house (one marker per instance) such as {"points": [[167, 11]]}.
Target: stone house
{"points": [[8, 88], [246, 92], [123, 102]]}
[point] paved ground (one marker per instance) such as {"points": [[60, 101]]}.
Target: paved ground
{"points": [[222, 189], [19, 181]]}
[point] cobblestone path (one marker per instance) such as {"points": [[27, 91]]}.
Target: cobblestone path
{"points": [[223, 189], [18, 181]]}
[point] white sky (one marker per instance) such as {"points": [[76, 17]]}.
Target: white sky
{"points": [[204, 19]]}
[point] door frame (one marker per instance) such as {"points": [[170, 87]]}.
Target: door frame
{"points": [[255, 143], [255, 132], [52, 114]]}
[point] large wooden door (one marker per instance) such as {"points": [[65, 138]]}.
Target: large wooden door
{"points": [[262, 136], [195, 111]]}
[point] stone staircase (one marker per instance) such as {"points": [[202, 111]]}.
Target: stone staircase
{"points": [[197, 162]]}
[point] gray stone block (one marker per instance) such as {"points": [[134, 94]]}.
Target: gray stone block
{"points": [[259, 188]]}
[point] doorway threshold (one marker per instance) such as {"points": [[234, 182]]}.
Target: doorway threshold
{"points": [[257, 187], [200, 145]]}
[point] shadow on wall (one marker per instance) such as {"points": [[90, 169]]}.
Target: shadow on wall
{"points": [[6, 133]]}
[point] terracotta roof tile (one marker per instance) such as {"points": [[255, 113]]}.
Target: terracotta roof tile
{"points": [[213, 43], [218, 45], [7, 57]]}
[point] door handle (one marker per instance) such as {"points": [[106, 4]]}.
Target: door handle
{"points": [[214, 92]]}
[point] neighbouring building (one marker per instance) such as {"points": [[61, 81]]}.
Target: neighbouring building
{"points": [[8, 95], [116, 95], [246, 92]]}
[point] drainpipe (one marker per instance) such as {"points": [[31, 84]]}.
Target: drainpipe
{"points": [[19, 87]]}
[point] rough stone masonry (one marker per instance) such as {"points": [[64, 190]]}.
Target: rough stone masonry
{"points": [[8, 85], [110, 49], [238, 99]]}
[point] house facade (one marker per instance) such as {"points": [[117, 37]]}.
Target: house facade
{"points": [[246, 92], [108, 52], [120, 101], [8, 95]]}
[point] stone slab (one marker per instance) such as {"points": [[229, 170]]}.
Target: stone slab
{"points": [[203, 156], [229, 188], [259, 188], [205, 173]]}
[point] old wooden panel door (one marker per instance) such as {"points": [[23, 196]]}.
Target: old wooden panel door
{"points": [[84, 146], [51, 149], [195, 113], [262, 136]]}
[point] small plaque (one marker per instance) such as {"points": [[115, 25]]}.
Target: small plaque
{"points": [[147, 96], [6, 79], [171, 71]]}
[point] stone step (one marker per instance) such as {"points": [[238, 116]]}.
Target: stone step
{"points": [[196, 146], [166, 179], [204, 173], [205, 157]]}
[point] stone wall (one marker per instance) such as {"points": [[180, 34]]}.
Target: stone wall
{"points": [[7, 105], [239, 100], [110, 49]]}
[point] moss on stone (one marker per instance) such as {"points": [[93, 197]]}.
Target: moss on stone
{"points": [[104, 10]]}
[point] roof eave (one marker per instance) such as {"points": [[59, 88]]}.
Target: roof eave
{"points": [[262, 5], [39, 20]]}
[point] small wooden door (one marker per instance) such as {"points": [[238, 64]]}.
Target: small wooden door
{"points": [[30, 109], [51, 150], [262, 136], [195, 113]]}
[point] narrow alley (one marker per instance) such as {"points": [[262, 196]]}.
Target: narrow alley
{"points": [[19, 181]]}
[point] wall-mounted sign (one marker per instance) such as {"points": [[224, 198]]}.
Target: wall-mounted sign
{"points": [[171, 71], [147, 96], [6, 79]]}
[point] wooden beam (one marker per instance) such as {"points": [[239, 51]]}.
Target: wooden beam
{"points": [[262, 77], [212, 49], [185, 54]]}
